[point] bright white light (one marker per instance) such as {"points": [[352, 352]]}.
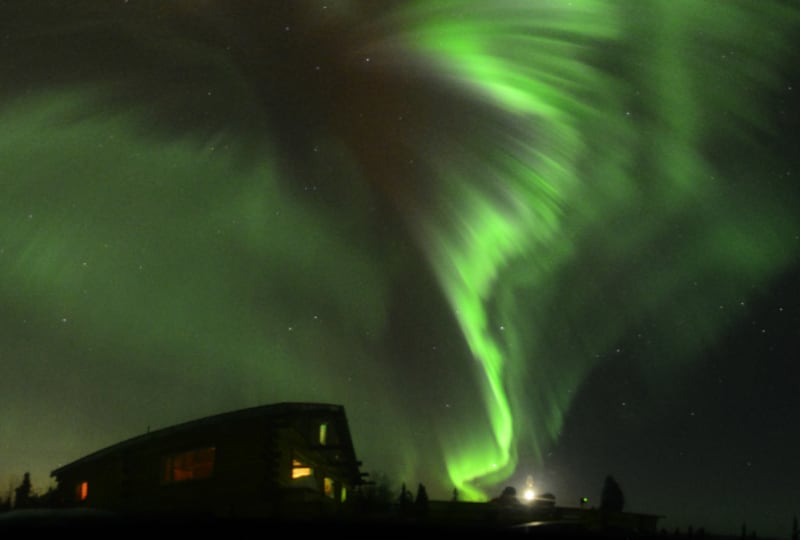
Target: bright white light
{"points": [[529, 494]]}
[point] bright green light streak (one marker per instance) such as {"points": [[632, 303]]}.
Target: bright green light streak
{"points": [[566, 155], [553, 232], [469, 262]]}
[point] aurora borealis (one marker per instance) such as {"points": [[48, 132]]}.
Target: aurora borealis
{"points": [[453, 217]]}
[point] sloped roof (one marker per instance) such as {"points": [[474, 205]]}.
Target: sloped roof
{"points": [[275, 410]]}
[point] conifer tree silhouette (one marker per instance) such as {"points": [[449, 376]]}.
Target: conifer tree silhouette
{"points": [[23, 493], [612, 499]]}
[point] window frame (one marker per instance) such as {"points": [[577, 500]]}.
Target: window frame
{"points": [[194, 464]]}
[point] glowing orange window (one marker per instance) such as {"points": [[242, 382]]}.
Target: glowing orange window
{"points": [[82, 491], [191, 465]]}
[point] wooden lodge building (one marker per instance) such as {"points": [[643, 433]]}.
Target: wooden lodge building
{"points": [[281, 460], [286, 461]]}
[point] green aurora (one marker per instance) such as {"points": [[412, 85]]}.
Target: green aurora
{"points": [[571, 196], [611, 209]]}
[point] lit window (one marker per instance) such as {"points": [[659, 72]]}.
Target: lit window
{"points": [[323, 434], [300, 470], [329, 491], [190, 465], [82, 491], [343, 495]]}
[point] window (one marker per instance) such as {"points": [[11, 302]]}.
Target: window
{"points": [[300, 470], [82, 491], [329, 488], [343, 495], [323, 434], [190, 465]]}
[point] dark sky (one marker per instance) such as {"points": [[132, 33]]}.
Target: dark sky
{"points": [[543, 239]]}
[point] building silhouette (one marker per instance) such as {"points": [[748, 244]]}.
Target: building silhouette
{"points": [[276, 461]]}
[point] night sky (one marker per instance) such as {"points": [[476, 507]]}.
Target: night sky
{"points": [[544, 237]]}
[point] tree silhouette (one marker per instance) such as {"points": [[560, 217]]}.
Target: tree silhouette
{"points": [[612, 499], [22, 497], [421, 501], [375, 495], [405, 495], [508, 497], [406, 500]]}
